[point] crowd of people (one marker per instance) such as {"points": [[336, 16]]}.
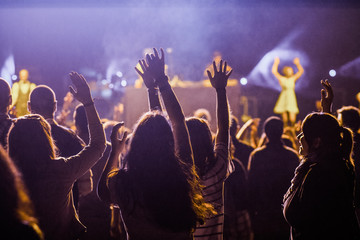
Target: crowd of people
{"points": [[171, 176]]}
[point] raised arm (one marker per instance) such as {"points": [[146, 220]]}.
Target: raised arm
{"points": [[173, 108], [83, 161], [219, 82], [154, 103], [327, 96], [275, 67], [299, 67], [112, 164]]}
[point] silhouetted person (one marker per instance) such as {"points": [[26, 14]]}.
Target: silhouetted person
{"points": [[20, 93], [49, 178], [43, 102], [241, 150], [349, 117], [271, 168], [320, 202], [155, 187], [17, 216], [5, 103], [93, 212]]}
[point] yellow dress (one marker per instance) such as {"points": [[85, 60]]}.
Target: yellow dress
{"points": [[287, 98]]}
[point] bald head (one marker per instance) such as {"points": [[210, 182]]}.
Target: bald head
{"points": [[42, 101], [5, 96]]}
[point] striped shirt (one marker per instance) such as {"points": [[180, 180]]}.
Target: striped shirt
{"points": [[213, 182]]}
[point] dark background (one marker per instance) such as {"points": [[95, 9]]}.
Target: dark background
{"points": [[99, 38]]}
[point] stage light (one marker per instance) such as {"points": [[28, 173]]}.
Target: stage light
{"points": [[332, 73], [169, 50], [14, 77], [119, 74], [111, 85], [104, 82], [123, 83], [243, 81]]}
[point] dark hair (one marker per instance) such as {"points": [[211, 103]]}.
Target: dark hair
{"points": [[169, 191], [31, 144], [333, 138], [350, 117], [273, 128], [5, 94], [202, 144], [15, 204], [42, 100]]}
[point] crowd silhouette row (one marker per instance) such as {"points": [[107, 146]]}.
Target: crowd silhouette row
{"points": [[171, 176]]}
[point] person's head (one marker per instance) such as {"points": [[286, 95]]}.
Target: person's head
{"points": [[349, 116], [203, 113], [151, 143], [23, 75], [201, 142], [42, 101], [30, 143], [288, 71], [81, 123], [5, 96], [273, 128], [321, 133]]}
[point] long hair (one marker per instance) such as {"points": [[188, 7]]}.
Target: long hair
{"points": [[15, 203], [31, 145], [202, 144], [334, 139], [163, 184]]}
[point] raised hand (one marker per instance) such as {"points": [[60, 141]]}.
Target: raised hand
{"points": [[219, 80], [157, 67], [117, 144], [296, 61], [327, 96], [82, 92], [276, 60], [146, 75]]}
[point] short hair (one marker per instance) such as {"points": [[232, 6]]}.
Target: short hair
{"points": [[203, 114], [42, 100], [350, 117], [5, 93], [273, 128]]}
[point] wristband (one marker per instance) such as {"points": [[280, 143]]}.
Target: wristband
{"points": [[88, 104]]}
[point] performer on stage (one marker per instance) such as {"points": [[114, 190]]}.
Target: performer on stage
{"points": [[286, 104], [20, 93]]}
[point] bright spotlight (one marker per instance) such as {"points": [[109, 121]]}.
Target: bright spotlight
{"points": [[104, 82], [119, 74], [243, 81], [332, 73], [14, 77], [123, 83]]}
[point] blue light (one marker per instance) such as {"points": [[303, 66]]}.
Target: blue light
{"points": [[332, 73], [243, 81], [14, 77]]}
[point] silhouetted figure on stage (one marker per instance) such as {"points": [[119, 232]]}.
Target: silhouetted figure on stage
{"points": [[20, 93], [286, 104], [5, 103], [271, 168]]}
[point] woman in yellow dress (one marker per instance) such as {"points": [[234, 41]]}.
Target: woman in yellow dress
{"points": [[286, 104]]}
